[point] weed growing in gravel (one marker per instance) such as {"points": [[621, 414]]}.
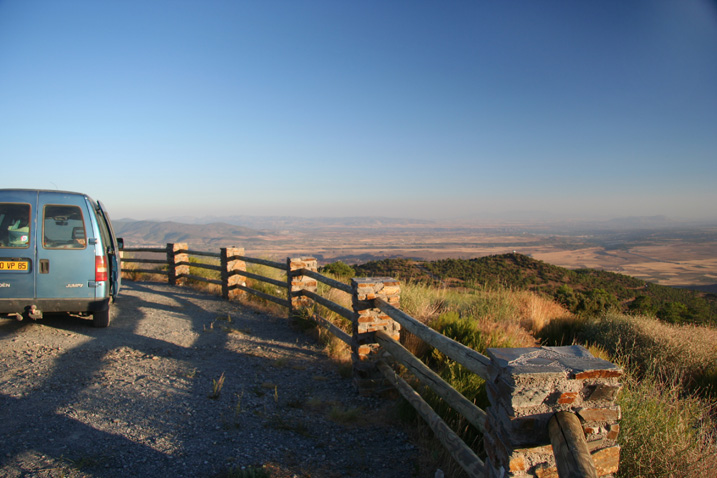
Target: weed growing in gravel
{"points": [[237, 407], [233, 330], [217, 386]]}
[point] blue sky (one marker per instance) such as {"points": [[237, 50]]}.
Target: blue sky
{"points": [[362, 108]]}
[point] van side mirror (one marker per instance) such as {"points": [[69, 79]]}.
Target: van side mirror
{"points": [[120, 243]]}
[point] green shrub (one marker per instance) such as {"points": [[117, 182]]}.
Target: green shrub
{"points": [[673, 312], [596, 302], [566, 296], [642, 305], [338, 269]]}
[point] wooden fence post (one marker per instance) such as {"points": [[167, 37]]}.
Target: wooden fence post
{"points": [[230, 269], [572, 456], [178, 263], [527, 387], [298, 282], [369, 319]]}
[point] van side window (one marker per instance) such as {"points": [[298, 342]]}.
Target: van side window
{"points": [[63, 227], [14, 225]]}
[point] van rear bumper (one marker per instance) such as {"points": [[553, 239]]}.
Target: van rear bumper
{"points": [[18, 306]]}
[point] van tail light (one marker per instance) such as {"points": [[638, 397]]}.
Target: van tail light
{"points": [[100, 268]]}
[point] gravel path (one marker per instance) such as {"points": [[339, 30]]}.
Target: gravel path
{"points": [[133, 400]]}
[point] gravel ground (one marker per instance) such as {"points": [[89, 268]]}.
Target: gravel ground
{"points": [[134, 399]]}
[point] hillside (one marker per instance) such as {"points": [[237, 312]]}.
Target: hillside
{"points": [[148, 233], [580, 290]]}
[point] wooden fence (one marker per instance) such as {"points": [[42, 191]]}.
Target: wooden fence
{"points": [[552, 408]]}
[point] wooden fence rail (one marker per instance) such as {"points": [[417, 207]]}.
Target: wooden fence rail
{"points": [[466, 356], [515, 443]]}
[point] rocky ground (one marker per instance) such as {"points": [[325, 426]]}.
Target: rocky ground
{"points": [[143, 397]]}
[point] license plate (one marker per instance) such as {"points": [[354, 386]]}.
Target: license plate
{"points": [[13, 266]]}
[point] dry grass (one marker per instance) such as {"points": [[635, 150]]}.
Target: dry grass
{"points": [[693, 348], [536, 312], [129, 272], [645, 344], [665, 432], [423, 302]]}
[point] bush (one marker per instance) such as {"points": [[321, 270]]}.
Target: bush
{"points": [[338, 269], [566, 296], [673, 312], [642, 305], [596, 302]]}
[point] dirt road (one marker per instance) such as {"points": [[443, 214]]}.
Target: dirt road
{"points": [[134, 399]]}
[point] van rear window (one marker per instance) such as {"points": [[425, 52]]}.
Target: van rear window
{"points": [[63, 227], [14, 226]]}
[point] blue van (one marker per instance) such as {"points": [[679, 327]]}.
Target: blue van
{"points": [[58, 253]]}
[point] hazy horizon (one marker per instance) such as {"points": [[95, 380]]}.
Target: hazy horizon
{"points": [[516, 218]]}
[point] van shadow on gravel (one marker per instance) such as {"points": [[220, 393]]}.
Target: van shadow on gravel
{"points": [[142, 397]]}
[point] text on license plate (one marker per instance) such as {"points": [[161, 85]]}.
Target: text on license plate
{"points": [[13, 265]]}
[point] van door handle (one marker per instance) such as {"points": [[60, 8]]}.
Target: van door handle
{"points": [[44, 266]]}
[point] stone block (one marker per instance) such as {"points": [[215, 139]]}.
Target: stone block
{"points": [[567, 398], [598, 374], [390, 290], [517, 463], [603, 392], [574, 360], [527, 386], [606, 415], [528, 397], [607, 460], [546, 471]]}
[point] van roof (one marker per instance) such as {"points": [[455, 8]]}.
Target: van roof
{"points": [[42, 191]]}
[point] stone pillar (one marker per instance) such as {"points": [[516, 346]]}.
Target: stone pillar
{"points": [[369, 319], [527, 387], [298, 282], [178, 263], [230, 267]]}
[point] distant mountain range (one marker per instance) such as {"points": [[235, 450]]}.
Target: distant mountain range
{"points": [[277, 223], [530, 220], [151, 233]]}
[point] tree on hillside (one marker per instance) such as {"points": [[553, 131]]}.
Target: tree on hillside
{"points": [[339, 269], [566, 296], [597, 301], [642, 305], [675, 312]]}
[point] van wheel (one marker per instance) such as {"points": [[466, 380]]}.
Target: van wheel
{"points": [[101, 318]]}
